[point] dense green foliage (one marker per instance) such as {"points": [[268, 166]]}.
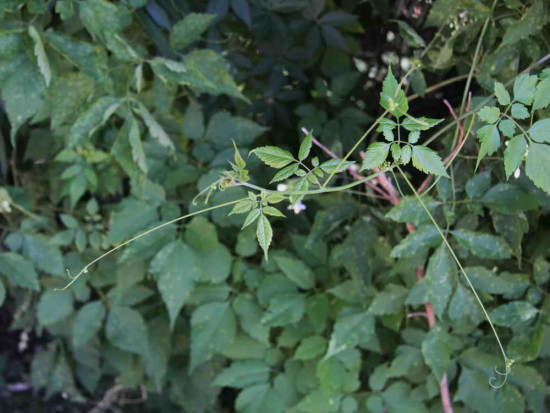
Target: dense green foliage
{"points": [[304, 286]]}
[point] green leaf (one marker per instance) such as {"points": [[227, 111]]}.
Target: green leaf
{"points": [[272, 211], [436, 349], [259, 398], [213, 328], [242, 374], [392, 97], [538, 158], [201, 234], [526, 346], [514, 314], [513, 154], [376, 155], [410, 210], [507, 127], [134, 138], [215, 264], [100, 17], [93, 118], [490, 141], [531, 23], [542, 94], [519, 111], [176, 268], [305, 147], [285, 173], [296, 271], [41, 56], [406, 154], [223, 128], [54, 306], [540, 131], [483, 245], [333, 165], [155, 130], [423, 238], [410, 35], [127, 330], [132, 216], [428, 161], [441, 277], [46, 257], [23, 95], [524, 88], [420, 124], [284, 309], [489, 114], [502, 94], [388, 301], [18, 270], [464, 306], [264, 233], [311, 348], [273, 156], [250, 315], [251, 217], [88, 322], [352, 327], [189, 29], [509, 199], [193, 121]]}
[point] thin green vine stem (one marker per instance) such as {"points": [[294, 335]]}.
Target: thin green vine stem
{"points": [[507, 361], [165, 224]]}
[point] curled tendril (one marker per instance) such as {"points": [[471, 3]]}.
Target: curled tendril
{"points": [[73, 279], [508, 368], [208, 190]]}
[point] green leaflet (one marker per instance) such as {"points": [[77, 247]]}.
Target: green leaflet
{"points": [[537, 158], [126, 330], [189, 29], [436, 349], [18, 270], [54, 306], [392, 97], [213, 328], [176, 267], [88, 322], [90, 120], [483, 245]]}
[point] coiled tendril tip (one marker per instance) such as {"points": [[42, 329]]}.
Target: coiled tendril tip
{"points": [[508, 368]]}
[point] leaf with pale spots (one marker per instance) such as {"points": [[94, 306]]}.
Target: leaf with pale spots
{"points": [[176, 267], [351, 328]]}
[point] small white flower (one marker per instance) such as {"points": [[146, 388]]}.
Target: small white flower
{"points": [[5, 206], [517, 173], [282, 187], [297, 207]]}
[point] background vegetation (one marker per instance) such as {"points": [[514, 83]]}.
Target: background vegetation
{"points": [[116, 114]]}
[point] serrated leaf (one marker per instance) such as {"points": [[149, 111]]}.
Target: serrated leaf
{"points": [[155, 130], [502, 94], [376, 155], [285, 173], [242, 374], [530, 24], [305, 147], [333, 165], [428, 161], [41, 56], [273, 156], [420, 124], [483, 245], [251, 217], [91, 119], [242, 207], [489, 114], [436, 349], [514, 314], [540, 131], [311, 348], [406, 154], [250, 314], [296, 271], [388, 301], [409, 210], [536, 166], [189, 29], [441, 277], [213, 328], [519, 111], [490, 141], [509, 199], [524, 88], [542, 94], [176, 267], [352, 327], [264, 233], [507, 127], [423, 238], [392, 97], [54, 306], [127, 330], [284, 309], [88, 322], [513, 154], [46, 257], [130, 217], [18, 270]]}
